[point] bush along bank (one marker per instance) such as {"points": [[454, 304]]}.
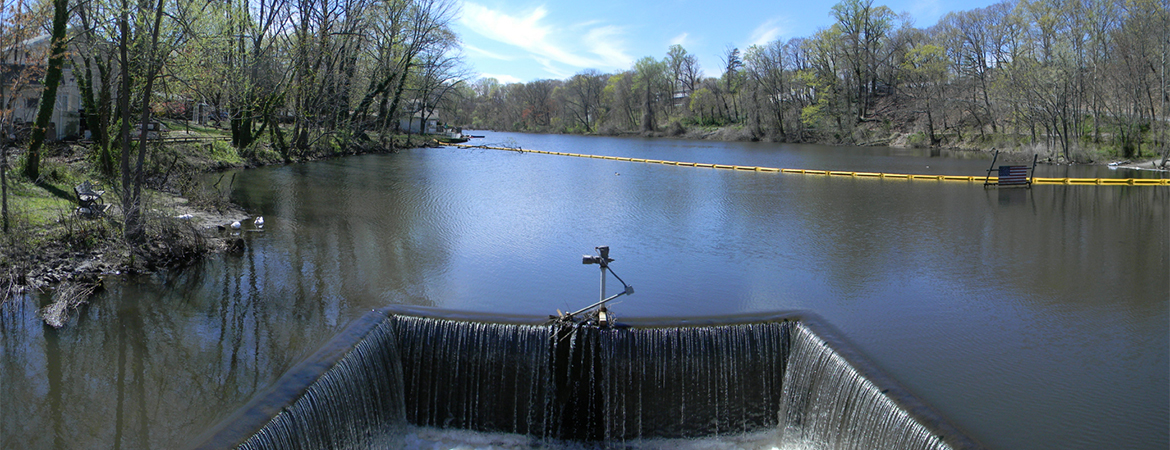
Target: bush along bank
{"points": [[52, 245], [1014, 147]]}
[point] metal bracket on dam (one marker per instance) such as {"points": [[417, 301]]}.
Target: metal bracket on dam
{"points": [[840, 173]]}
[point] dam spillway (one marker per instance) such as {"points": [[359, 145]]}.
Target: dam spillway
{"points": [[559, 384]]}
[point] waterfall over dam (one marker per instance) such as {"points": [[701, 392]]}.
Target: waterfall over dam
{"points": [[786, 375]]}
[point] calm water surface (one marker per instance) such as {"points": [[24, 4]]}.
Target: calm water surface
{"points": [[1031, 318]]}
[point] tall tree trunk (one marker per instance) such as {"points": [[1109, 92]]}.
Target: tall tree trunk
{"points": [[4, 178], [134, 231], [647, 111], [97, 113], [129, 207], [393, 110], [49, 97], [96, 109], [277, 135], [780, 120], [934, 141]]}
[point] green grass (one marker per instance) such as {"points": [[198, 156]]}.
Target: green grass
{"points": [[40, 205], [43, 213], [179, 125], [39, 215]]}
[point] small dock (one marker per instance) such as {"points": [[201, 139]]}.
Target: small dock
{"points": [[1015, 176]]}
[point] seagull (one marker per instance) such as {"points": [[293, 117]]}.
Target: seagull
{"points": [[259, 221], [236, 225]]}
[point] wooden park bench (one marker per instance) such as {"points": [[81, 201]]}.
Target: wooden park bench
{"points": [[1010, 176], [89, 200]]}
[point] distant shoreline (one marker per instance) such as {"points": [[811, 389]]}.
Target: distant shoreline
{"points": [[737, 134]]}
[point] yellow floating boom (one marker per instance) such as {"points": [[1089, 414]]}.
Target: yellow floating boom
{"points": [[840, 173]]}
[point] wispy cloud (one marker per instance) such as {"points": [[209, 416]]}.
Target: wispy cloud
{"points": [[506, 79], [553, 69], [599, 46], [607, 43], [488, 54], [766, 32], [680, 39]]}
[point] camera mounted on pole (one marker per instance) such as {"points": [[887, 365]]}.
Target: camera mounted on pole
{"points": [[597, 313]]}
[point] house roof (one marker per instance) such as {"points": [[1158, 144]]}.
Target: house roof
{"points": [[29, 44], [431, 115]]}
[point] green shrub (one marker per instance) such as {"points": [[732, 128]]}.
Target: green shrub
{"points": [[224, 152], [918, 140]]}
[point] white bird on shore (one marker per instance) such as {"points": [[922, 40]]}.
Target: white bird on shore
{"points": [[259, 222], [236, 225]]}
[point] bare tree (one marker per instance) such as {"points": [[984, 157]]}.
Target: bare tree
{"points": [[765, 67], [16, 26], [538, 103], [583, 97], [650, 77], [428, 28], [441, 73], [683, 74], [94, 53], [732, 63], [148, 61], [863, 28], [58, 48]]}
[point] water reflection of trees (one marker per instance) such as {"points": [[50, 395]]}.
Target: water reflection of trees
{"points": [[22, 357], [155, 364], [362, 231], [1050, 244]]}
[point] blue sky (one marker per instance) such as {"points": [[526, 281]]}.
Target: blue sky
{"points": [[520, 41]]}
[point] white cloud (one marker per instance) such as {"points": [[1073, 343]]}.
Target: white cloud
{"points": [[600, 46], [766, 32], [680, 39], [506, 79], [552, 69], [485, 53], [606, 42]]}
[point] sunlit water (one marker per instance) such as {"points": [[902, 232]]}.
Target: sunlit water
{"points": [[1030, 318]]}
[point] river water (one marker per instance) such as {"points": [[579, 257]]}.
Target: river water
{"points": [[1030, 318]]}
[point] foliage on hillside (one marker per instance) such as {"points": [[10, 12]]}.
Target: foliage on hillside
{"points": [[1069, 80]]}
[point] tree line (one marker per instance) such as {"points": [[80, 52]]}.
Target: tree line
{"points": [[1059, 75], [1063, 77], [298, 74]]}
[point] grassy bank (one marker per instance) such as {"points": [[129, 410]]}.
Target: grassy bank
{"points": [[50, 246], [50, 242]]}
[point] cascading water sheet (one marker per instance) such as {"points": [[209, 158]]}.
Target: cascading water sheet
{"points": [[827, 404], [412, 381], [355, 404]]}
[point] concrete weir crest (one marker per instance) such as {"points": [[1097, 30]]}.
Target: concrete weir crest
{"points": [[787, 375]]}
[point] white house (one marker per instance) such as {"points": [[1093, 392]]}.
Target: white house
{"points": [[413, 124], [66, 119]]}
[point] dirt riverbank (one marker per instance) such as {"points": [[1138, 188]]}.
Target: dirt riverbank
{"points": [[54, 247]]}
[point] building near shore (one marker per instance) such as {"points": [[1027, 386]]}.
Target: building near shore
{"points": [[22, 71]]}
